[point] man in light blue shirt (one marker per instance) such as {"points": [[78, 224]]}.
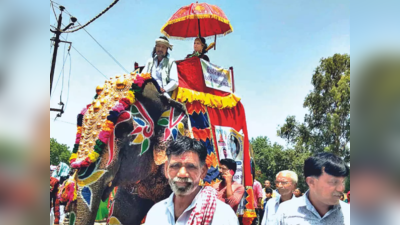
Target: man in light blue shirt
{"points": [[189, 203], [325, 176], [286, 183]]}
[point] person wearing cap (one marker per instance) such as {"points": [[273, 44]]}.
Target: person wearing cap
{"points": [[200, 47], [161, 67]]}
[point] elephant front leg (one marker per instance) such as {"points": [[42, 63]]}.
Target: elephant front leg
{"points": [[128, 208]]}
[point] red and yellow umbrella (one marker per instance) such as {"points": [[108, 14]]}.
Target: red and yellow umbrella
{"points": [[197, 19]]}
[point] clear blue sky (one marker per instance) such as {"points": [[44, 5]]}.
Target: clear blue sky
{"points": [[274, 49]]}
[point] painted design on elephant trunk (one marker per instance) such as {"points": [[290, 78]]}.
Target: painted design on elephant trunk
{"points": [[110, 212], [85, 190], [145, 127], [125, 116]]}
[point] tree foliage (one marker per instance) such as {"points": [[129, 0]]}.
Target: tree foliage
{"points": [[327, 125], [273, 158], [58, 152]]}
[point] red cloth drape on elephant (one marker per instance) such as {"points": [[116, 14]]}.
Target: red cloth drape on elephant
{"points": [[224, 109]]}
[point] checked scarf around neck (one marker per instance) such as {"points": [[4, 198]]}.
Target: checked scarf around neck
{"points": [[203, 212]]}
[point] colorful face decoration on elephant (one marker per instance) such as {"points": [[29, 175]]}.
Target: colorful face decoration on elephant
{"points": [[121, 142]]}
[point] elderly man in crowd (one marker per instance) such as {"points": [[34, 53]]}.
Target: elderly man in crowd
{"points": [[325, 175], [229, 191], [161, 67], [286, 183], [189, 203]]}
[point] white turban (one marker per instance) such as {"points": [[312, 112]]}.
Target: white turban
{"points": [[164, 42]]}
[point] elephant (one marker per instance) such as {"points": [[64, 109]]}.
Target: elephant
{"points": [[138, 174]]}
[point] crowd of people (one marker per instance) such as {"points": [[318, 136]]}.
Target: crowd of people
{"points": [[58, 175], [191, 203]]}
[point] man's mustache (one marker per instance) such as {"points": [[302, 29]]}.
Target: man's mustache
{"points": [[337, 194], [182, 180]]}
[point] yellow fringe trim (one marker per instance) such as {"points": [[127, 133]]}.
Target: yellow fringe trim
{"points": [[213, 101], [197, 16]]}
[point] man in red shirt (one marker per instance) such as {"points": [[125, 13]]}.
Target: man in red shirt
{"points": [[229, 191]]}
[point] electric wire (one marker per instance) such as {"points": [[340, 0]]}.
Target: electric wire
{"points": [[92, 20], [69, 79], [54, 2], [89, 62], [51, 48], [55, 120], [52, 6], [98, 43], [60, 75], [62, 69], [112, 57], [64, 57]]}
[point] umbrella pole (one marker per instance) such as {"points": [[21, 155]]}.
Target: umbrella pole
{"points": [[198, 20], [215, 42]]}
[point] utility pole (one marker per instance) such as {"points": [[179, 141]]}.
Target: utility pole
{"points": [[57, 40]]}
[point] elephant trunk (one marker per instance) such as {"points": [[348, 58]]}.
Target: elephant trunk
{"points": [[87, 204]]}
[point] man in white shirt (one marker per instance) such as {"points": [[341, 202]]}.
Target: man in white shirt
{"points": [[286, 183], [162, 68], [189, 203], [325, 175]]}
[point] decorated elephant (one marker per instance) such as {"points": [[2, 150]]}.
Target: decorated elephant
{"points": [[121, 142]]}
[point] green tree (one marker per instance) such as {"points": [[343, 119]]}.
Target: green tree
{"points": [[58, 152], [273, 158], [327, 125]]}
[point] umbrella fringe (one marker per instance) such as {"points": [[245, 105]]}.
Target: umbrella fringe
{"points": [[202, 16], [191, 38]]}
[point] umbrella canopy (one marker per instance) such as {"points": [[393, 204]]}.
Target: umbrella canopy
{"points": [[197, 19]]}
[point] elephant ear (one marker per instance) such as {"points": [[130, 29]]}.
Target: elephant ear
{"points": [[173, 122]]}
